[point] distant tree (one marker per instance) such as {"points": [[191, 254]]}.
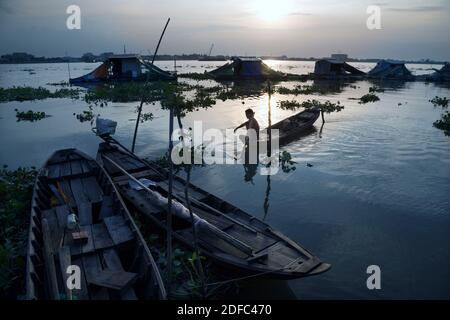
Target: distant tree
{"points": [[88, 57]]}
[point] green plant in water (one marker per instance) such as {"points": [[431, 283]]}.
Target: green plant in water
{"points": [[40, 93], [375, 89], [287, 164], [441, 102], [299, 89], [16, 187], [324, 107], [30, 115], [86, 115], [370, 97], [443, 123]]}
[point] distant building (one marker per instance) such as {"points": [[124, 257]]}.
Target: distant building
{"points": [[124, 67], [390, 69], [335, 68], [245, 68], [339, 57]]}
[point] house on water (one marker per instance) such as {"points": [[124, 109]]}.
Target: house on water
{"points": [[246, 68], [332, 68], [440, 75], [391, 69], [124, 67]]}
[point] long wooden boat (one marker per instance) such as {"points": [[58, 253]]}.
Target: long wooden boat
{"points": [[296, 125], [104, 249], [226, 234]]}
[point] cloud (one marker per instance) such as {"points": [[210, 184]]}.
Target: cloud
{"points": [[418, 9], [299, 14]]}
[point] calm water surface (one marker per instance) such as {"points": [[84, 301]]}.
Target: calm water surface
{"points": [[377, 193]]}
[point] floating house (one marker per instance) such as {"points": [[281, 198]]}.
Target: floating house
{"points": [[246, 68], [443, 74], [390, 69], [332, 68], [124, 67]]}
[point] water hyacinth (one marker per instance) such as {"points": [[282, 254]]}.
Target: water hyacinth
{"points": [[40, 93]]}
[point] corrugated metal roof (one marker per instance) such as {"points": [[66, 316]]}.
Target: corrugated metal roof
{"points": [[124, 56]]}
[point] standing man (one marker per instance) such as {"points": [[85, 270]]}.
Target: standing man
{"points": [[251, 124]]}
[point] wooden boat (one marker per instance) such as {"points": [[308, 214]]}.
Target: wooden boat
{"points": [[296, 125], [236, 239], [107, 247]]}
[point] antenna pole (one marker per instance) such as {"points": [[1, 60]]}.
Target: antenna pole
{"points": [[68, 66]]}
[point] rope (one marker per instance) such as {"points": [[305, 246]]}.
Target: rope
{"points": [[251, 276]]}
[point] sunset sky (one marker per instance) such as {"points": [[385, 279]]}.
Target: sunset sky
{"points": [[411, 29]]}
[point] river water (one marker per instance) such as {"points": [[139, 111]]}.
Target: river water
{"points": [[376, 191]]}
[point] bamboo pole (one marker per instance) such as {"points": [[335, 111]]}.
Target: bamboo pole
{"points": [[191, 214], [145, 86], [169, 206]]}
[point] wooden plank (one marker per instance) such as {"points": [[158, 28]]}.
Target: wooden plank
{"points": [[92, 266], [308, 265], [112, 262], [55, 233], [85, 166], [49, 261], [89, 245], [92, 189], [115, 280], [61, 214], [107, 208], [77, 249], [101, 236], [118, 229], [65, 169], [78, 190], [85, 213], [67, 192], [53, 171], [64, 263]]}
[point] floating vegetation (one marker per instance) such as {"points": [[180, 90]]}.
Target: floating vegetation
{"points": [[289, 105], [287, 164], [132, 92], [375, 89], [443, 123], [370, 97], [30, 115], [441, 102], [62, 84], [195, 76], [40, 93], [16, 187], [299, 89], [148, 116], [324, 107], [86, 115]]}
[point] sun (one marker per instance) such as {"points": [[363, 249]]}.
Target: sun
{"points": [[272, 11]]}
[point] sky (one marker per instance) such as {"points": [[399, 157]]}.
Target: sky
{"points": [[410, 29]]}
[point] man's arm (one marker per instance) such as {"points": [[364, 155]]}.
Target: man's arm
{"points": [[242, 125]]}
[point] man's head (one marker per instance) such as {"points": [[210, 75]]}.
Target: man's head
{"points": [[249, 113]]}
